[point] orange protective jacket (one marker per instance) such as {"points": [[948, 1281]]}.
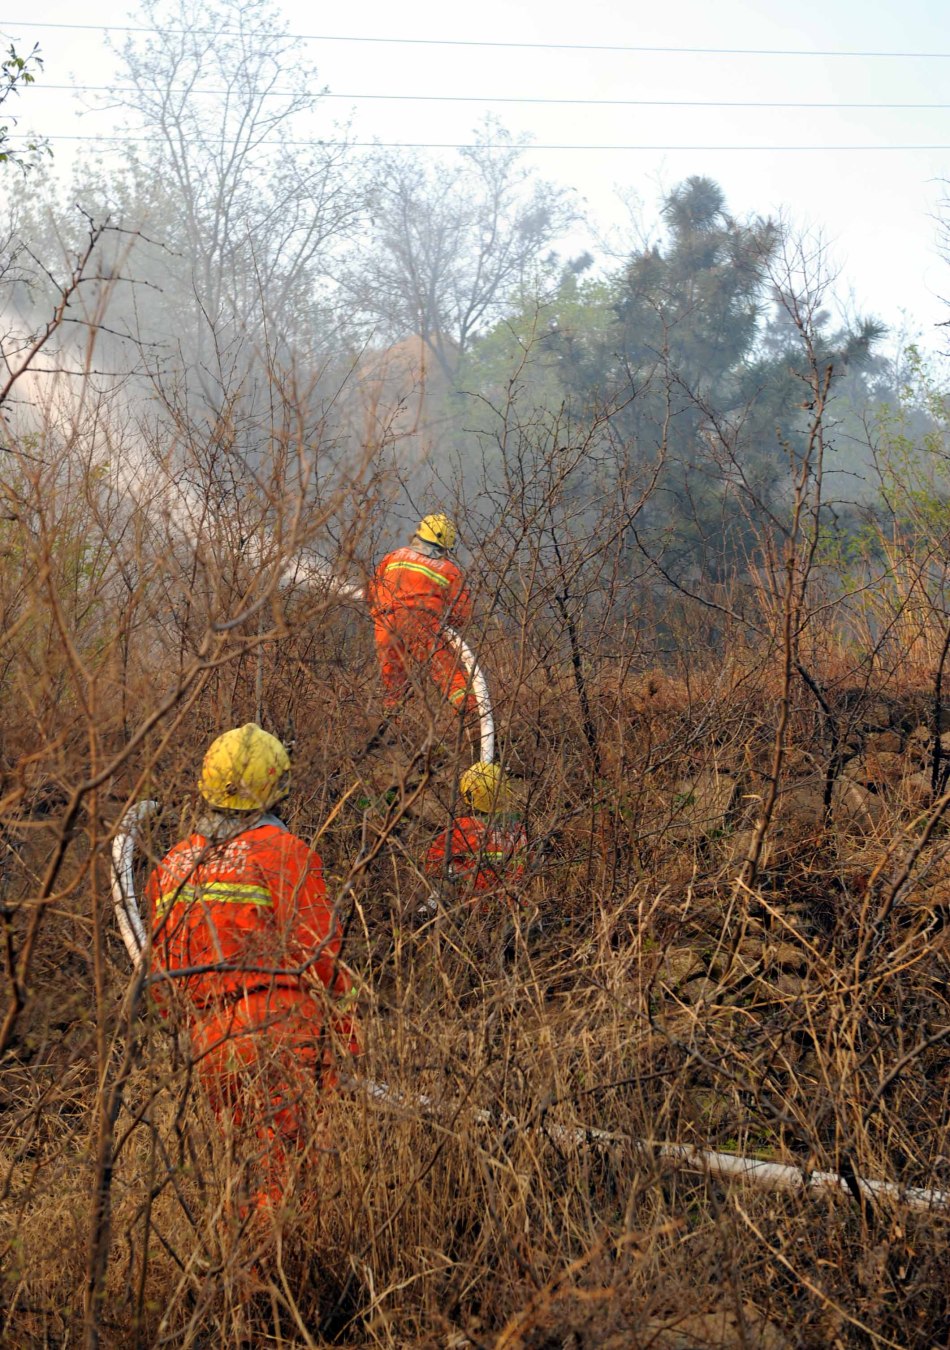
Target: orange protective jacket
{"points": [[412, 581], [253, 905], [489, 855]]}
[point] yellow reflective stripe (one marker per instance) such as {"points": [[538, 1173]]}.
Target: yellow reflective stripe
{"points": [[235, 893], [163, 904], [418, 567], [457, 695], [215, 892]]}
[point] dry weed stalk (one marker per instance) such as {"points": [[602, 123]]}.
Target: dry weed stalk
{"points": [[715, 970]]}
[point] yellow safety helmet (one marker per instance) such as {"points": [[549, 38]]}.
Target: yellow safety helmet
{"points": [[485, 787], [246, 769], [437, 529]]}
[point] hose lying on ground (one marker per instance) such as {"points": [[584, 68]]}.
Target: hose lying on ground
{"points": [[767, 1175]]}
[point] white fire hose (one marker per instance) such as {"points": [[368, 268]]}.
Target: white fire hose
{"points": [[769, 1176], [480, 693], [124, 900], [766, 1175]]}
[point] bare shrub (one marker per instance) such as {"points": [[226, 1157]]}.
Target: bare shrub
{"points": [[735, 953]]}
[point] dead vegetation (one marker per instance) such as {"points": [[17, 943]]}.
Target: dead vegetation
{"points": [[740, 858], [796, 1021]]}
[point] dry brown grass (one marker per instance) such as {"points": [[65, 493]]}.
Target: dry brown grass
{"points": [[803, 1018]]}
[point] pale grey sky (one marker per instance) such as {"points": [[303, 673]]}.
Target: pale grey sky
{"points": [[875, 207]]}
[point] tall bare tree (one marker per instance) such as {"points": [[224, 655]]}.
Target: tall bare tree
{"points": [[250, 201], [450, 245]]}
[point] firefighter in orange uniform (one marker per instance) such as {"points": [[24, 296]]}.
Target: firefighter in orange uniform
{"points": [[484, 853], [416, 593], [243, 928]]}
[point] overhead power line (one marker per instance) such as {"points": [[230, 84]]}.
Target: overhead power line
{"points": [[493, 98], [507, 145], [480, 42]]}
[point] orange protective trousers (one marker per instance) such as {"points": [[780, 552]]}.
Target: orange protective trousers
{"points": [[411, 641], [264, 1059]]}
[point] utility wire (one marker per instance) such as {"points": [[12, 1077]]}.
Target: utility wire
{"points": [[505, 145], [475, 42], [491, 98]]}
